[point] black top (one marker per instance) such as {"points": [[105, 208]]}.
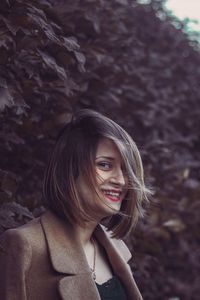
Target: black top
{"points": [[111, 290]]}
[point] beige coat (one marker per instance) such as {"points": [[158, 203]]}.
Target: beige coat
{"points": [[43, 260]]}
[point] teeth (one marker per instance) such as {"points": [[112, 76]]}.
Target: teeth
{"points": [[112, 193]]}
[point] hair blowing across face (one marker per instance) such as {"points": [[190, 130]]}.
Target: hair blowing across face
{"points": [[74, 154]]}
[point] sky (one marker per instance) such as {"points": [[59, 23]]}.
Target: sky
{"points": [[183, 9], [186, 9]]}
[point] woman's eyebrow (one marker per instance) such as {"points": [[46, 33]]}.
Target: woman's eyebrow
{"points": [[106, 157]]}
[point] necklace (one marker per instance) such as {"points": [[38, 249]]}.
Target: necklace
{"points": [[94, 261]]}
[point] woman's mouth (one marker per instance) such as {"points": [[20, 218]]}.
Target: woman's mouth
{"points": [[112, 195]]}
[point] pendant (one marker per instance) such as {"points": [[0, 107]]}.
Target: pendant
{"points": [[93, 274]]}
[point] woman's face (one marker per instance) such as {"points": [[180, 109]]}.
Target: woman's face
{"points": [[111, 179]]}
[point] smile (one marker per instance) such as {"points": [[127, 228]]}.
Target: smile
{"points": [[112, 195]]}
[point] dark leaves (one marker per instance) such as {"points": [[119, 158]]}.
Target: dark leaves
{"points": [[34, 42], [51, 64], [13, 215], [70, 43], [5, 99]]}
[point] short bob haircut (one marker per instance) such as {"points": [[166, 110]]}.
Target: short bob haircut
{"points": [[74, 154]]}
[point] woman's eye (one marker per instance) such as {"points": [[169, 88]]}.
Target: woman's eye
{"points": [[104, 165]]}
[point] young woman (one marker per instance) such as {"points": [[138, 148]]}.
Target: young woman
{"points": [[94, 174]]}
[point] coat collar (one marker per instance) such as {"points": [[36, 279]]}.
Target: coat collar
{"points": [[66, 254], [68, 257]]}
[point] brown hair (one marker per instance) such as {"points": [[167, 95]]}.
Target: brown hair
{"points": [[74, 154]]}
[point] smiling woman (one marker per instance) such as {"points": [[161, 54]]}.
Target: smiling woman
{"points": [[94, 174], [112, 179]]}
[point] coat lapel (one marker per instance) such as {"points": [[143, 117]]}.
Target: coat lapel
{"points": [[67, 257], [78, 287], [118, 255], [66, 253]]}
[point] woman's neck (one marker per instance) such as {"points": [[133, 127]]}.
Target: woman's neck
{"points": [[84, 233]]}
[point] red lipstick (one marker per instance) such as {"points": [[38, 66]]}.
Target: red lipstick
{"points": [[113, 195], [115, 199]]}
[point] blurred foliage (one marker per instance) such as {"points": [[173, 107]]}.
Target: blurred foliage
{"points": [[134, 63]]}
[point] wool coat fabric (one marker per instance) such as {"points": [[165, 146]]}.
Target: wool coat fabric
{"points": [[44, 260]]}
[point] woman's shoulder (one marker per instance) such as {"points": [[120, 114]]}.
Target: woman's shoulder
{"points": [[21, 236], [18, 231]]}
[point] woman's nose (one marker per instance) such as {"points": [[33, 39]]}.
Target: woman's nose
{"points": [[118, 177]]}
